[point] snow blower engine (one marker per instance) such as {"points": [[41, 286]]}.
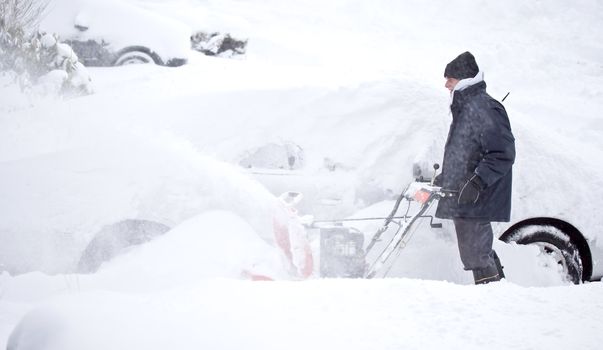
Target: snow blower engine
{"points": [[341, 252]]}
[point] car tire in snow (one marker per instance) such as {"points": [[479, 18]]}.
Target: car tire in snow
{"points": [[136, 55], [552, 242], [115, 239]]}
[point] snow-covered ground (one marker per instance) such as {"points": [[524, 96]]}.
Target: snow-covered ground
{"points": [[358, 87]]}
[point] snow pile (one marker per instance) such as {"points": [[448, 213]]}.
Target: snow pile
{"points": [[211, 245], [325, 314], [64, 197]]}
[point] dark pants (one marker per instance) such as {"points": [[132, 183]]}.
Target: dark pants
{"points": [[475, 243]]}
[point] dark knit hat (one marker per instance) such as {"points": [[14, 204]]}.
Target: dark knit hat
{"points": [[462, 67]]}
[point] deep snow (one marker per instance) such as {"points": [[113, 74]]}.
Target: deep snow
{"points": [[327, 314], [354, 83]]}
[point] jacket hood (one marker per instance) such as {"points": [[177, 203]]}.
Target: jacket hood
{"points": [[465, 83]]}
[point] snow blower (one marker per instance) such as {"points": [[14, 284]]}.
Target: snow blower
{"points": [[342, 250]]}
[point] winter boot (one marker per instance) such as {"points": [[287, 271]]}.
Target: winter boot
{"points": [[499, 266], [486, 274]]}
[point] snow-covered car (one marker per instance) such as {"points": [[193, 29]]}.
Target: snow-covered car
{"points": [[111, 33], [72, 210], [577, 252]]}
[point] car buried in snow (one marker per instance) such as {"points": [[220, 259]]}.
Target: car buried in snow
{"points": [[71, 210], [578, 256], [111, 33]]}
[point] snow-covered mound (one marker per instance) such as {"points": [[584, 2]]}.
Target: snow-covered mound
{"points": [[210, 245], [58, 200], [323, 314]]}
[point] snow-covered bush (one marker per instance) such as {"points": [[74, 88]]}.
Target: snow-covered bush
{"points": [[37, 60], [218, 44], [67, 74], [17, 19]]}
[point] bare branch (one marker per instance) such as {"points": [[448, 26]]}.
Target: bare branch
{"points": [[21, 16]]}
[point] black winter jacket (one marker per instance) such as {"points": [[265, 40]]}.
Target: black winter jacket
{"points": [[479, 142]]}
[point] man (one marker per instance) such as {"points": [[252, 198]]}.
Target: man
{"points": [[478, 156]]}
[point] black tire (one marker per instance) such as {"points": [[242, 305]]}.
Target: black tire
{"points": [[113, 240], [136, 55], [553, 242]]}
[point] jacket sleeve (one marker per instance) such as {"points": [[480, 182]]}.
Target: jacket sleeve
{"points": [[498, 146]]}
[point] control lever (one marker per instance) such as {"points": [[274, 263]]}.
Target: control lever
{"points": [[436, 166]]}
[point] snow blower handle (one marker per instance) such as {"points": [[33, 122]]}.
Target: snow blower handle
{"points": [[391, 215], [441, 192], [436, 166]]}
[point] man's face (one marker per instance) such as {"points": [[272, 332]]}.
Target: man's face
{"points": [[451, 83]]}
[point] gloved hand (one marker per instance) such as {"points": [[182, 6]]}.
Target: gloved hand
{"points": [[469, 192], [437, 180]]}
